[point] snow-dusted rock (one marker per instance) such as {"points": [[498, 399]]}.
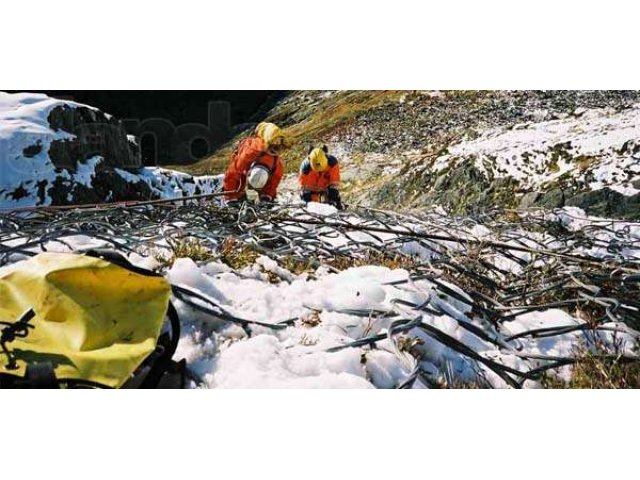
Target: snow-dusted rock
{"points": [[56, 152], [590, 160]]}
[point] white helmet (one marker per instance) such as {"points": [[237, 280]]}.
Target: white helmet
{"points": [[258, 177]]}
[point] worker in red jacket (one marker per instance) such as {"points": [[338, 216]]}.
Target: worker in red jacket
{"points": [[256, 164], [320, 178]]}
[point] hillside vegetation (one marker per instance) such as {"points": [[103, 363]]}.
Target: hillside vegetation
{"points": [[469, 150]]}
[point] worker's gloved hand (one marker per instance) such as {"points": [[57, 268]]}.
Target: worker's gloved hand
{"points": [[237, 203], [266, 201], [333, 196]]}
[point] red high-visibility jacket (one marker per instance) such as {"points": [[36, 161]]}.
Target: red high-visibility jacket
{"points": [[251, 151], [318, 182]]}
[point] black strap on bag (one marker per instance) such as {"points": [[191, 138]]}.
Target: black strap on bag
{"points": [[167, 346], [10, 331], [41, 376], [120, 260], [37, 376]]}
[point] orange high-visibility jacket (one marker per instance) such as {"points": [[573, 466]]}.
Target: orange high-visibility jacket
{"points": [[318, 182], [251, 151]]}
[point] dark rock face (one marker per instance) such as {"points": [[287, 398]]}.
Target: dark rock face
{"points": [[96, 134], [135, 151], [19, 193], [467, 191], [109, 187], [604, 202], [462, 190], [607, 203]]}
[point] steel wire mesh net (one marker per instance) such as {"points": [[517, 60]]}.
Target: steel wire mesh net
{"points": [[495, 266]]}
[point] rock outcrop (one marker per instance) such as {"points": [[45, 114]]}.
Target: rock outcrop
{"points": [[95, 133], [56, 152]]}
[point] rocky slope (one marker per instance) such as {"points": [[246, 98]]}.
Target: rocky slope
{"points": [[471, 150], [467, 151], [55, 152]]}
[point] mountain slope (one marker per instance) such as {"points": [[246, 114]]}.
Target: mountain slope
{"points": [[470, 151]]}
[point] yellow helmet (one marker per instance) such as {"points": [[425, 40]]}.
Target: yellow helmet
{"points": [[318, 160], [273, 136]]}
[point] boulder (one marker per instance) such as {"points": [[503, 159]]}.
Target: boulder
{"points": [[607, 203], [553, 198], [529, 199], [95, 134]]}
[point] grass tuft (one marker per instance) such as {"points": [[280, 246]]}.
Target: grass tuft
{"points": [[236, 254], [600, 367], [192, 248], [392, 262]]}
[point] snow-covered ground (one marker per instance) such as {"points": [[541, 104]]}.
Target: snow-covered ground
{"points": [[598, 148], [332, 310], [299, 356]]}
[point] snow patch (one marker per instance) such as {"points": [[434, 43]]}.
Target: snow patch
{"points": [[596, 149]]}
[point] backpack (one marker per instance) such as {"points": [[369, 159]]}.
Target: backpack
{"points": [[87, 321]]}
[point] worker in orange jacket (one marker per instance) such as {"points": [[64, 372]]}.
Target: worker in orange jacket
{"points": [[320, 178], [256, 164]]}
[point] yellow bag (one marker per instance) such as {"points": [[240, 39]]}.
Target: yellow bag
{"points": [[94, 321]]}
